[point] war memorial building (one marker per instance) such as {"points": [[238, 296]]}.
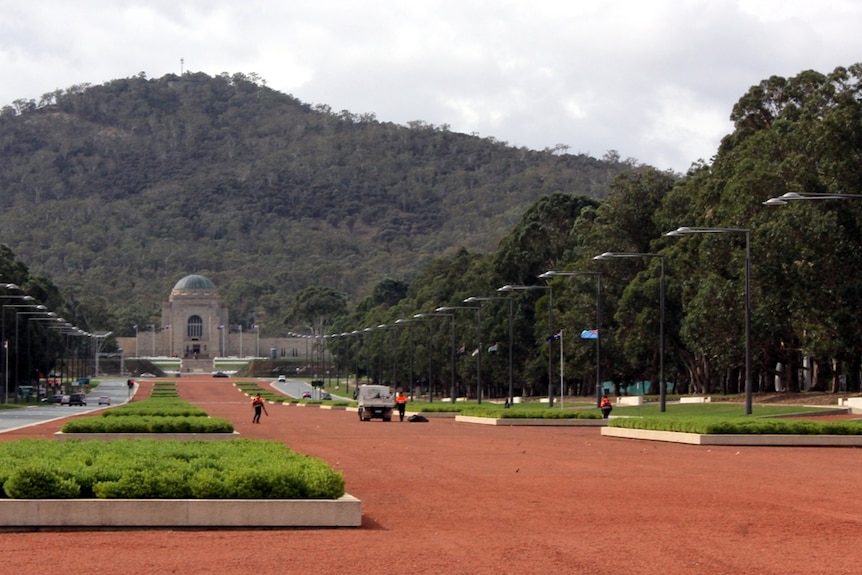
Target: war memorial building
{"points": [[195, 328]]}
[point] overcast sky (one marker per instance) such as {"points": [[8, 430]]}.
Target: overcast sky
{"points": [[653, 79]]}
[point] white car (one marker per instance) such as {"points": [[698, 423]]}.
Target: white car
{"points": [[281, 379]]}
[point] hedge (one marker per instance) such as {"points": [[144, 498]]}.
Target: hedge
{"points": [[707, 425], [154, 469]]}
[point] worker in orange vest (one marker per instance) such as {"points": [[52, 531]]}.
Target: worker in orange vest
{"points": [[258, 405], [401, 404], [605, 406]]}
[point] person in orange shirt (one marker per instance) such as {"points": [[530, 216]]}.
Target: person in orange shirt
{"points": [[258, 405], [605, 406], [401, 404]]}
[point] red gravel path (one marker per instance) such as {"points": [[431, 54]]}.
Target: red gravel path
{"points": [[452, 498]]}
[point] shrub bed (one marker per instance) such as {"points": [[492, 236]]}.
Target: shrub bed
{"points": [[707, 425], [153, 415], [153, 469], [497, 412]]}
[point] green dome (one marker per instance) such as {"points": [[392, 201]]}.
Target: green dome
{"points": [[194, 282]]}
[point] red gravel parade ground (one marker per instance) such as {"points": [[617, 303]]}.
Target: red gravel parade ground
{"points": [[454, 498]]}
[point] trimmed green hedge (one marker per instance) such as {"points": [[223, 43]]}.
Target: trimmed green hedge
{"points": [[497, 412], [158, 469], [148, 424], [153, 415], [707, 425]]}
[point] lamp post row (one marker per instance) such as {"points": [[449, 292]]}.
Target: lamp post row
{"points": [[37, 312], [681, 231]]}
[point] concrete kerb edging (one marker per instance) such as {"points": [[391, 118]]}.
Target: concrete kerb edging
{"points": [[561, 422], [755, 440], [23, 514]]}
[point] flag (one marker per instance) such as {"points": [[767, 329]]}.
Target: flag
{"points": [[463, 350], [135, 327], [590, 334], [493, 348], [555, 337], [475, 352]]}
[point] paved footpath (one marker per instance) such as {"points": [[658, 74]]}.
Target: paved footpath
{"points": [[455, 498]]}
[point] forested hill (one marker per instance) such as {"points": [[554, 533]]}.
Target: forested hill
{"points": [[116, 191]]}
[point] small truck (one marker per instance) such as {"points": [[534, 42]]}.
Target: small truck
{"points": [[375, 401]]}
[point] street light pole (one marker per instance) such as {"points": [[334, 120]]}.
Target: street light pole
{"points": [[39, 309], [510, 300], [694, 230], [552, 274], [412, 351], [478, 311], [451, 317], [550, 338], [662, 382], [424, 317]]}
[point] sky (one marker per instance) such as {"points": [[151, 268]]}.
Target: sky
{"points": [[653, 80]]}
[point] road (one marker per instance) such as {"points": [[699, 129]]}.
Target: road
{"points": [[39, 413]]}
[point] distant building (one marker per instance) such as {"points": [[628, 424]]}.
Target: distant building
{"points": [[194, 320], [195, 326]]}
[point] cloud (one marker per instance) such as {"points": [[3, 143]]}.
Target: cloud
{"points": [[654, 80]]}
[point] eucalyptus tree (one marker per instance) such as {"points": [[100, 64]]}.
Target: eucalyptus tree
{"points": [[800, 134]]}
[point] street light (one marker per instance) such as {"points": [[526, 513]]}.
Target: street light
{"points": [[550, 339], [6, 341], [662, 382], [451, 316], [37, 309], [422, 317], [510, 300], [785, 199], [478, 311], [412, 351], [688, 230], [552, 274]]}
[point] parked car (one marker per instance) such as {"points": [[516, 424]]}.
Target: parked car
{"points": [[147, 375], [104, 400]]}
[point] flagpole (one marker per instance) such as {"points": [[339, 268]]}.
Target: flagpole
{"points": [[561, 369]]}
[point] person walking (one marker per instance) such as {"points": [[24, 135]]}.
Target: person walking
{"points": [[401, 404], [606, 406], [258, 404]]}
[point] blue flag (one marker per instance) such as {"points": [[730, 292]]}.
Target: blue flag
{"points": [[590, 334]]}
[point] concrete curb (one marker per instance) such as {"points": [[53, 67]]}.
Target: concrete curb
{"points": [[562, 422], [25, 514], [736, 439]]}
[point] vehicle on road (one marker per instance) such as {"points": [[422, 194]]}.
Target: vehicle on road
{"points": [[220, 374], [52, 399], [324, 395], [282, 379], [375, 401], [74, 399], [306, 395], [147, 375], [104, 400]]}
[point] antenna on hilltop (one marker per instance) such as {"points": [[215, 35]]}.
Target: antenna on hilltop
{"points": [[182, 61]]}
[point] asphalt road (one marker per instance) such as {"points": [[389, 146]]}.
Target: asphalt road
{"points": [[116, 389]]}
